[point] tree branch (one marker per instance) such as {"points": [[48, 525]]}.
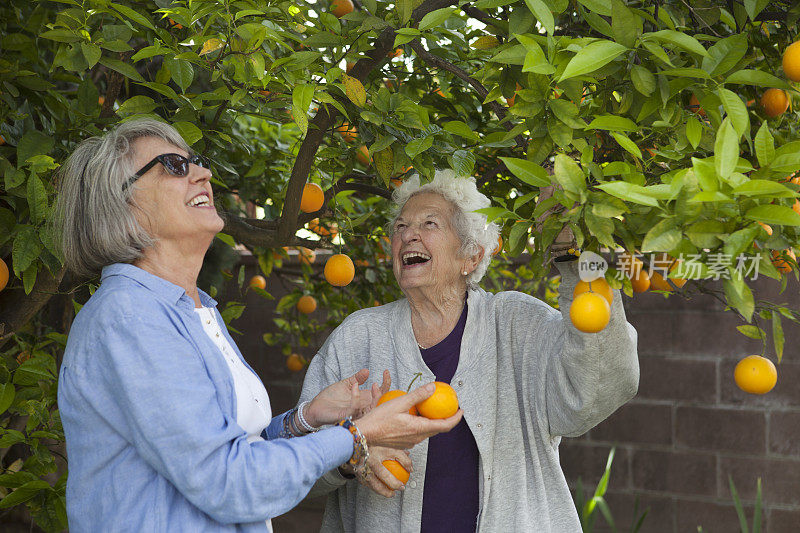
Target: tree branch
{"points": [[17, 308], [436, 61], [477, 14], [113, 88]]}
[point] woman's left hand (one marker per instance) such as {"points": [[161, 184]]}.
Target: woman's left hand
{"points": [[340, 400]]}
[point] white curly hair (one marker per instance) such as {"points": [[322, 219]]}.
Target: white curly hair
{"points": [[471, 227]]}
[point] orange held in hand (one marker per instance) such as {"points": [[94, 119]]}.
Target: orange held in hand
{"points": [[312, 199], [443, 403], [755, 374], [590, 312], [600, 286], [397, 470], [391, 395], [339, 270]]}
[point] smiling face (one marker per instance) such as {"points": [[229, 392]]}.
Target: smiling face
{"points": [[426, 248], [173, 209]]}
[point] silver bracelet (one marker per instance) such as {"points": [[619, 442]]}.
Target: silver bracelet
{"points": [[304, 425]]}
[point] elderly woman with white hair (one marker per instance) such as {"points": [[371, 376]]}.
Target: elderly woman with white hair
{"points": [[524, 376], [167, 427]]}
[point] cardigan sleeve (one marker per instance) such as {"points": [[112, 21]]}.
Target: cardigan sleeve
{"points": [[588, 376]]}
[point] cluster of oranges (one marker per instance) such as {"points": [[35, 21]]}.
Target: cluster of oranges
{"points": [[590, 311], [443, 403], [775, 102]]}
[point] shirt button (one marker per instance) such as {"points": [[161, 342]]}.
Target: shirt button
{"points": [[412, 484], [217, 334], [460, 382], [479, 426], [208, 322]]}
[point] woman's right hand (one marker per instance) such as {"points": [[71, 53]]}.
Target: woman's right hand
{"points": [[391, 425]]}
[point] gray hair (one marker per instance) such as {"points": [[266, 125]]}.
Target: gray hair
{"points": [[472, 229], [94, 223]]}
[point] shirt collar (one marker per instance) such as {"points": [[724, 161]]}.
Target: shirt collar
{"points": [[170, 291]]}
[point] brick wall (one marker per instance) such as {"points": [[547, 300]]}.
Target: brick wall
{"points": [[687, 430]]}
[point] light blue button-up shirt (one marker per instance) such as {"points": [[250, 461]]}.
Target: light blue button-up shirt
{"points": [[149, 413]]}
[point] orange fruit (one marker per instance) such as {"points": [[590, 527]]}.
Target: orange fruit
{"points": [[2, 140], [661, 260], [307, 304], [755, 374], [791, 61], [443, 403], [348, 133], [694, 106], [258, 281], [361, 263], [397, 470], [101, 100], [173, 24], [780, 262], [264, 92], [590, 312], [640, 281], [3, 274], [390, 84], [295, 363], [599, 286], [658, 283], [397, 53], [396, 182], [795, 207], [392, 394], [313, 198], [306, 256], [633, 267], [767, 227], [775, 102], [499, 245], [362, 156], [339, 270], [341, 8]]}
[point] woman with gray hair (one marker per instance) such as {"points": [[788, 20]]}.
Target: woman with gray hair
{"points": [[167, 427], [524, 376]]}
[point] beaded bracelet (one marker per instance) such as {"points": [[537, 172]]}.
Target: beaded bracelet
{"points": [[360, 450], [286, 426], [304, 425]]}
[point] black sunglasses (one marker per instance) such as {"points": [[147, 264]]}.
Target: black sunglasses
{"points": [[176, 164]]}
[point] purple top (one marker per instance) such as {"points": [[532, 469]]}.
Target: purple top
{"points": [[450, 499]]}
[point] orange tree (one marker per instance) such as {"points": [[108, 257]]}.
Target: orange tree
{"points": [[648, 120]]}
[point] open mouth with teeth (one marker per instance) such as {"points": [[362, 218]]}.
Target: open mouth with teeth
{"points": [[201, 200], [415, 258]]}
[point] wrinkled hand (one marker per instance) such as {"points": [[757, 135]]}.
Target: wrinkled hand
{"points": [[340, 400], [390, 424], [379, 479]]}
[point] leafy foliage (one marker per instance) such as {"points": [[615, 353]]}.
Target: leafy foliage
{"points": [[643, 115]]}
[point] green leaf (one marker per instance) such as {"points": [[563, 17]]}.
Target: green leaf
{"points": [[543, 14], [679, 39], [643, 80], [417, 146], [726, 149], [694, 131], [625, 26], [765, 145], [736, 110], [37, 199], [354, 90], [535, 60], [24, 493], [302, 96], [404, 9], [123, 68], [383, 141], [33, 143], [758, 187], [774, 214], [627, 144], [754, 332], [136, 105], [629, 192], [384, 163], [613, 123], [435, 18], [601, 7], [756, 77], [26, 249], [456, 127], [92, 53], [662, 236], [514, 55], [705, 233], [777, 337], [739, 295], [592, 57], [517, 237], [725, 54], [7, 393], [182, 72], [527, 171], [602, 228], [133, 15], [189, 131], [463, 162], [568, 174], [493, 213], [61, 36]]}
